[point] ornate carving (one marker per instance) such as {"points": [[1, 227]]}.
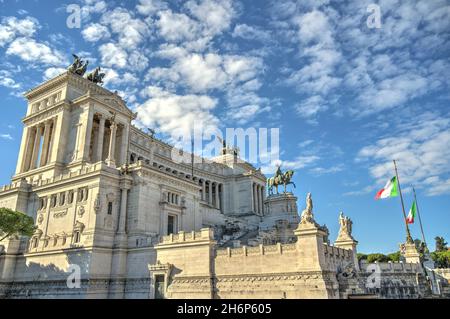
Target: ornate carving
{"points": [[345, 231], [40, 219], [81, 211], [60, 214], [307, 214], [97, 204]]}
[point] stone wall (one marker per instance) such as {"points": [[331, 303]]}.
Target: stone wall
{"points": [[198, 268]]}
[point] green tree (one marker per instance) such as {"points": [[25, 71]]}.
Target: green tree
{"points": [[377, 257], [441, 258], [395, 257], [441, 245], [361, 256], [15, 223]]}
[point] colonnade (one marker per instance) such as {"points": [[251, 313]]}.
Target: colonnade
{"points": [[259, 194], [212, 193], [39, 142]]}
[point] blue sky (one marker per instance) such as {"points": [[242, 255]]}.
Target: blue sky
{"points": [[347, 98]]}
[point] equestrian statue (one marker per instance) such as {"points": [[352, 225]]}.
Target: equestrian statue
{"points": [[280, 179]]}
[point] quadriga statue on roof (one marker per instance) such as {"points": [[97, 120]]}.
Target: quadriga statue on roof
{"points": [[78, 66], [95, 76]]}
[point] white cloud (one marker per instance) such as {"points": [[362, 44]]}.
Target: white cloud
{"points": [[6, 137], [422, 149], [175, 114], [130, 31], [149, 7], [29, 50], [12, 27], [95, 32], [177, 26], [92, 7], [113, 55], [215, 15], [247, 32], [53, 72], [311, 106], [6, 80], [298, 163]]}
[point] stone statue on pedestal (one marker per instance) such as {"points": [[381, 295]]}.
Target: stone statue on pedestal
{"points": [[307, 216], [345, 231], [280, 179]]}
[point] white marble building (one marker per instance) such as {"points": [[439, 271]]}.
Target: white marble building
{"points": [[111, 206], [72, 179]]}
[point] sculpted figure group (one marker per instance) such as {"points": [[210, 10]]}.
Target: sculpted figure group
{"points": [[79, 67]]}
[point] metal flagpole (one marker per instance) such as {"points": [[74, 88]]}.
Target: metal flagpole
{"points": [[420, 219], [192, 157], [409, 239]]}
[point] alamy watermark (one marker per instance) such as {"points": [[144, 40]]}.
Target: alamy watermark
{"points": [[74, 19], [74, 279], [254, 145], [374, 19]]}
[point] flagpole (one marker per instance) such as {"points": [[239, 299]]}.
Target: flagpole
{"points": [[192, 157], [420, 219], [409, 239]]}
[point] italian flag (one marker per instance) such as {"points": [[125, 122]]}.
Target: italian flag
{"points": [[389, 190], [411, 214]]}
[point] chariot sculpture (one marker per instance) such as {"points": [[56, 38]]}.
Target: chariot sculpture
{"points": [[79, 67]]}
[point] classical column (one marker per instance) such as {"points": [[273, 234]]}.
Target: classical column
{"points": [[123, 211], [203, 190], [254, 197], [100, 138], [221, 197], [45, 145], [124, 146], [88, 135], [210, 193], [258, 191], [263, 191], [37, 142], [27, 152], [217, 196], [112, 144]]}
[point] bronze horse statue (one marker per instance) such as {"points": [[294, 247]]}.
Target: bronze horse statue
{"points": [[280, 179]]}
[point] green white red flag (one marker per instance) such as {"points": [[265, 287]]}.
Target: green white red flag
{"points": [[389, 190], [411, 214]]}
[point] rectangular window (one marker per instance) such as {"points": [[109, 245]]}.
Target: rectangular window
{"points": [[110, 208], [171, 224], [159, 287]]}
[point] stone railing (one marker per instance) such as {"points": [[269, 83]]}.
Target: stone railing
{"points": [[69, 175], [181, 237], [443, 272], [258, 250], [391, 266], [336, 252]]}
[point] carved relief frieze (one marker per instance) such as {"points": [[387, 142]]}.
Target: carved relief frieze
{"points": [[60, 214]]}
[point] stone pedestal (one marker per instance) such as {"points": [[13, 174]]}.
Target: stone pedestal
{"points": [[281, 204], [349, 244], [411, 254]]}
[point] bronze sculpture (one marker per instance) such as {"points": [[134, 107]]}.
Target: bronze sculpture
{"points": [[78, 66], [280, 179]]}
